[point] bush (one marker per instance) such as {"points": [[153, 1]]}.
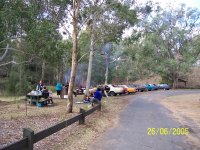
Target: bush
{"points": [[17, 85], [52, 88]]}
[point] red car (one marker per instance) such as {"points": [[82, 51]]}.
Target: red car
{"points": [[125, 90]]}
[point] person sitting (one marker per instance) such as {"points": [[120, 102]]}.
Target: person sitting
{"points": [[46, 95], [45, 92], [87, 99], [97, 96], [50, 96]]}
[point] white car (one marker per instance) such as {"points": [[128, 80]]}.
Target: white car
{"points": [[91, 91], [114, 90]]}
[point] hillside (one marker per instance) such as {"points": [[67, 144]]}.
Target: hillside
{"points": [[193, 80], [154, 79]]}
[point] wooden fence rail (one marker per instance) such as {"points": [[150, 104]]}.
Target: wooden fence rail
{"points": [[29, 137]]}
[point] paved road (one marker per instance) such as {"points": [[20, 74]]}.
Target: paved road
{"points": [[142, 113]]}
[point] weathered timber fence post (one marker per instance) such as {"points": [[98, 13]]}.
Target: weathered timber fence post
{"points": [[99, 107], [29, 133], [82, 120]]}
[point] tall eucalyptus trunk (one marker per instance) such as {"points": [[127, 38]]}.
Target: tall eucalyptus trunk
{"points": [[76, 7], [43, 70], [88, 82], [106, 73]]}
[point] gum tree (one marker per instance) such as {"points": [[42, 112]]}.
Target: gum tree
{"points": [[107, 21], [167, 41]]}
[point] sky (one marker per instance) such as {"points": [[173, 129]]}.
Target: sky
{"points": [[164, 4], [189, 3]]}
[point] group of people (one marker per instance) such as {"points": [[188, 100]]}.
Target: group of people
{"points": [[59, 87], [97, 96], [45, 92], [62, 89]]}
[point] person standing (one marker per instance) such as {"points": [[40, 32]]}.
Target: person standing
{"points": [[39, 86], [58, 88]]}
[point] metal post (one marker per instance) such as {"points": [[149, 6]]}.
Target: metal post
{"points": [[29, 133], [82, 120]]}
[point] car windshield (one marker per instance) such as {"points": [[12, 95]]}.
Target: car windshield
{"points": [[114, 85]]}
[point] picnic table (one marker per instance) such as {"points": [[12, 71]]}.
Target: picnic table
{"points": [[36, 97]]}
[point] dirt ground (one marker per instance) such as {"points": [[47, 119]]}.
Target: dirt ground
{"points": [[16, 115], [186, 109]]}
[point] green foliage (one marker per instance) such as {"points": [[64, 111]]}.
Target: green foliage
{"points": [[124, 12], [84, 46], [42, 41], [18, 83], [163, 45], [32, 29], [52, 88], [166, 46]]}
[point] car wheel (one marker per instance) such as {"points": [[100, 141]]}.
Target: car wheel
{"points": [[112, 93]]}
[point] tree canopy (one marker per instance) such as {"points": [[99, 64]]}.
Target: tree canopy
{"points": [[163, 41]]}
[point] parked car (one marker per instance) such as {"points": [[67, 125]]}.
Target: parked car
{"points": [[80, 91], [129, 89], [139, 87], [125, 89], [150, 87], [103, 89], [114, 90], [91, 91], [155, 86], [106, 88], [163, 86]]}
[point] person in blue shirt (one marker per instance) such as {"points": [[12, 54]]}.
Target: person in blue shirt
{"points": [[58, 88], [97, 96]]}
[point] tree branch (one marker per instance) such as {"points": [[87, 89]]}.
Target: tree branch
{"points": [[5, 53], [16, 63], [82, 56], [12, 49]]}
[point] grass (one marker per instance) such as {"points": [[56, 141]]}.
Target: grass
{"points": [[5, 97], [16, 107], [11, 98], [185, 105], [185, 108], [20, 109], [52, 88]]}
